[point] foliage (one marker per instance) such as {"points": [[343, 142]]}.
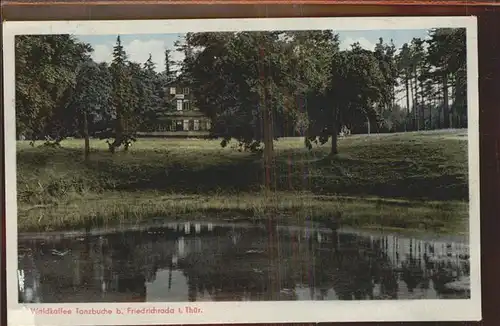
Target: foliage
{"points": [[447, 52], [297, 82], [45, 75], [434, 74], [357, 84], [239, 78], [91, 96]]}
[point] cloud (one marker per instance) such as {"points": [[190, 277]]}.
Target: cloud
{"points": [[102, 53], [348, 41], [138, 51]]}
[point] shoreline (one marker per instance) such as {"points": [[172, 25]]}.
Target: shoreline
{"points": [[122, 210], [369, 230]]}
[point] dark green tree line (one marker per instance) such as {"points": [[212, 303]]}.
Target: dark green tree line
{"points": [[61, 92], [255, 86]]}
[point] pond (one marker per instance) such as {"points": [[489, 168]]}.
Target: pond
{"points": [[234, 262]]}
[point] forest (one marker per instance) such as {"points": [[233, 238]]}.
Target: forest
{"points": [[299, 83], [279, 103]]}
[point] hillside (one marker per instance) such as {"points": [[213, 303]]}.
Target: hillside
{"points": [[418, 179]]}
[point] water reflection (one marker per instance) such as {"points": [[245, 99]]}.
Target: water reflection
{"points": [[195, 262]]}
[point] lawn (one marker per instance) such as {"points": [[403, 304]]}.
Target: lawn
{"points": [[416, 180]]}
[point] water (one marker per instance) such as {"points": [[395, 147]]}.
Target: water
{"points": [[207, 262]]}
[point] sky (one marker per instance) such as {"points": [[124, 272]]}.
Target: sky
{"points": [[139, 46]]}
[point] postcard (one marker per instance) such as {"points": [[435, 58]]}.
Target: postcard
{"points": [[242, 171]]}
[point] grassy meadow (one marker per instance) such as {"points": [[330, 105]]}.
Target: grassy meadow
{"points": [[411, 181]]}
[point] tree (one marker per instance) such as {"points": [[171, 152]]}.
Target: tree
{"points": [[356, 86], [247, 80], [385, 54], [417, 65], [122, 97], [311, 61], [141, 96], [447, 53], [225, 76], [169, 67], [90, 100], [153, 98], [162, 83], [428, 97], [404, 62], [46, 68]]}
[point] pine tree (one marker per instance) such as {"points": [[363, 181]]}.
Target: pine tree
{"points": [[121, 94], [169, 71]]}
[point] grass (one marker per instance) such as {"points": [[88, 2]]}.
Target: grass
{"points": [[407, 181]]}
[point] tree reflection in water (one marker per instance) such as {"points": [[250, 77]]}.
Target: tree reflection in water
{"points": [[204, 262]]}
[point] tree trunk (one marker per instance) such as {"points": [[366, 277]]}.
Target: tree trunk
{"points": [[439, 110], [266, 125], [86, 136], [422, 105], [415, 101], [411, 109], [118, 133], [451, 99], [407, 86], [335, 138], [431, 107], [453, 107], [268, 146], [335, 134], [446, 106], [462, 98]]}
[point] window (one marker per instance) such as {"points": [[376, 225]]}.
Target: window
{"points": [[186, 91], [186, 125], [186, 106], [196, 126], [172, 90], [178, 125], [179, 105], [208, 124]]}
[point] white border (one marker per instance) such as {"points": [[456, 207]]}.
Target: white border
{"points": [[248, 312]]}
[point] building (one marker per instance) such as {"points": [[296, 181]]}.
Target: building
{"points": [[185, 120]]}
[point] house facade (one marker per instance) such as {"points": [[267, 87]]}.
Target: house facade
{"points": [[185, 120]]}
